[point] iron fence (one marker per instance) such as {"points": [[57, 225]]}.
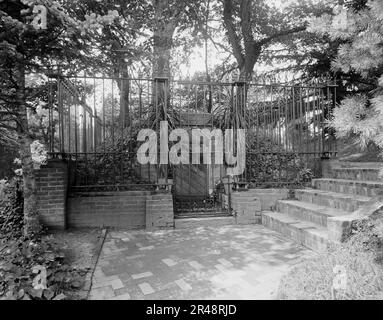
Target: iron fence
{"points": [[94, 124]]}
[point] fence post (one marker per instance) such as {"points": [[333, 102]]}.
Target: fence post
{"points": [[61, 116], [239, 116]]}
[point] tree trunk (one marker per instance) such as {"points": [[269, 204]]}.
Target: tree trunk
{"points": [[124, 87], [162, 45], [250, 59], [239, 30], [162, 40], [246, 54], [31, 218]]}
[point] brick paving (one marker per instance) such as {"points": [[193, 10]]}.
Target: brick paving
{"points": [[228, 262]]}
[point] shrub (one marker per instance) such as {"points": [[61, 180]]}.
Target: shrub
{"points": [[3, 192], [11, 208], [271, 167], [30, 268], [360, 257]]}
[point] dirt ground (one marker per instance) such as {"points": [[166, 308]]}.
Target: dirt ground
{"points": [[79, 246]]}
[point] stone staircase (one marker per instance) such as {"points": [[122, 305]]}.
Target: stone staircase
{"points": [[345, 188]]}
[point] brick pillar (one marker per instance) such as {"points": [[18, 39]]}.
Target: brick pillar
{"points": [[159, 211], [52, 185], [246, 207]]}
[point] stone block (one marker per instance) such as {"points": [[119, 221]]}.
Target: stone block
{"points": [[339, 228]]}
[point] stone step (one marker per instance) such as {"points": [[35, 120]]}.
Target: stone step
{"points": [[308, 212], [307, 234], [186, 215], [362, 188], [364, 165], [360, 174], [203, 222], [341, 201]]}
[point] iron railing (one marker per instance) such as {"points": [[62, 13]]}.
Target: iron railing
{"points": [[94, 124]]}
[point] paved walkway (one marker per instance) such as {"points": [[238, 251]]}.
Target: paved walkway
{"points": [[230, 262]]}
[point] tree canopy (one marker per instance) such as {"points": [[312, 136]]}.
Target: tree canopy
{"points": [[359, 27]]}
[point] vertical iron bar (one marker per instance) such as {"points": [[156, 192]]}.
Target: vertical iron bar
{"points": [[322, 120], [307, 115], [287, 147], [104, 172], [315, 120], [94, 116], [122, 126], [113, 147], [294, 121], [301, 124]]}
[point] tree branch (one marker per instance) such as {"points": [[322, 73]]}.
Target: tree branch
{"points": [[283, 33], [220, 45], [226, 72]]}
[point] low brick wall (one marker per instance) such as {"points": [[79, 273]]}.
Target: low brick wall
{"points": [[128, 210], [159, 211], [52, 185], [269, 197], [131, 209], [107, 209], [247, 207], [248, 204]]}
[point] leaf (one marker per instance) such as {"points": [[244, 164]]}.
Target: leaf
{"points": [[21, 293], [6, 266], [10, 296], [48, 294], [76, 284], [26, 297], [61, 296], [36, 293], [40, 281], [37, 268]]}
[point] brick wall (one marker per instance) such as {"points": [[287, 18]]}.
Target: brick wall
{"points": [[159, 211], [248, 204], [52, 185], [107, 209], [247, 207], [269, 197], [130, 210]]}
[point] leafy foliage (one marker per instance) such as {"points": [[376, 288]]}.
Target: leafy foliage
{"points": [[360, 52], [271, 167], [31, 267]]}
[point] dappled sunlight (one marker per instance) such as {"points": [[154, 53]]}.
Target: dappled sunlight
{"points": [[229, 262]]}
